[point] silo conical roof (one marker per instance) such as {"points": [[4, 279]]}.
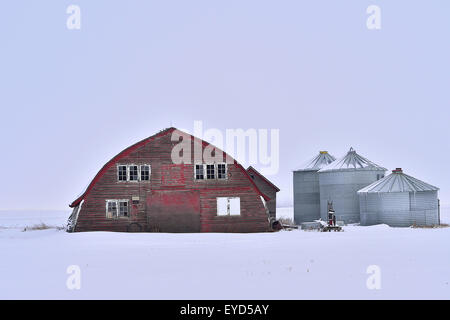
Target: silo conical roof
{"points": [[352, 161], [317, 163], [398, 181]]}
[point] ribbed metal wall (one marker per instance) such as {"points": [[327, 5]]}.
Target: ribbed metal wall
{"points": [[306, 188], [341, 188], [306, 196], [399, 209]]}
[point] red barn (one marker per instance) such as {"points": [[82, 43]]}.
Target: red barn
{"points": [[143, 189]]}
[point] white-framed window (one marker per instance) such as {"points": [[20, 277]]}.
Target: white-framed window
{"points": [[221, 171], [123, 208], [122, 172], [111, 209], [117, 208], [133, 172], [228, 206], [145, 172], [210, 171], [199, 172]]}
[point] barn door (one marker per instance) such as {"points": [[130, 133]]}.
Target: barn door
{"points": [[173, 211]]}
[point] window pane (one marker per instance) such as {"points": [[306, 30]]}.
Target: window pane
{"points": [[134, 173], [111, 209], [210, 171], [123, 208], [199, 172], [222, 206], [221, 171], [145, 173], [122, 173]]}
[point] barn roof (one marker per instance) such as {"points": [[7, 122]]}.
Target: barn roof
{"points": [[318, 162], [251, 169], [135, 146], [397, 181], [352, 161]]}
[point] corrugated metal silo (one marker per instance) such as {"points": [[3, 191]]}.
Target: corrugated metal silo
{"points": [[306, 188], [399, 200], [340, 181]]}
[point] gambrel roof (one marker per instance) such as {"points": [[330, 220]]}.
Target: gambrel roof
{"points": [[141, 143]]}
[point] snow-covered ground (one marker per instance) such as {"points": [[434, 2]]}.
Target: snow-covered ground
{"points": [[414, 263]]}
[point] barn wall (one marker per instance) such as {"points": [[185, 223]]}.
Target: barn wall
{"points": [[167, 176]]}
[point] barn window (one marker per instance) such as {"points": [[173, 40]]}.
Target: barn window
{"points": [[221, 171], [123, 208], [199, 172], [145, 172], [210, 171], [122, 173], [134, 173], [117, 208], [111, 209], [227, 206]]}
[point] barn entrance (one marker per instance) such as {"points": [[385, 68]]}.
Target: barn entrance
{"points": [[173, 211]]}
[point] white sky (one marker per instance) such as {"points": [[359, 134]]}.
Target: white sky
{"points": [[72, 99]]}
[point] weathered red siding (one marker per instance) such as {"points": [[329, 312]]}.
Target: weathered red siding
{"points": [[267, 188], [166, 176]]}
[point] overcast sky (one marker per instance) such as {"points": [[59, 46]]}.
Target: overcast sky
{"points": [[72, 99]]}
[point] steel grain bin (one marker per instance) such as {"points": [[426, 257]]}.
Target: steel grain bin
{"points": [[340, 181], [306, 188], [399, 200]]}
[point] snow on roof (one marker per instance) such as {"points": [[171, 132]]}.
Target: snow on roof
{"points": [[397, 181], [318, 162], [352, 161]]}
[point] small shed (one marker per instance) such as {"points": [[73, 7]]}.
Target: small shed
{"points": [[266, 187], [399, 200], [306, 188]]}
